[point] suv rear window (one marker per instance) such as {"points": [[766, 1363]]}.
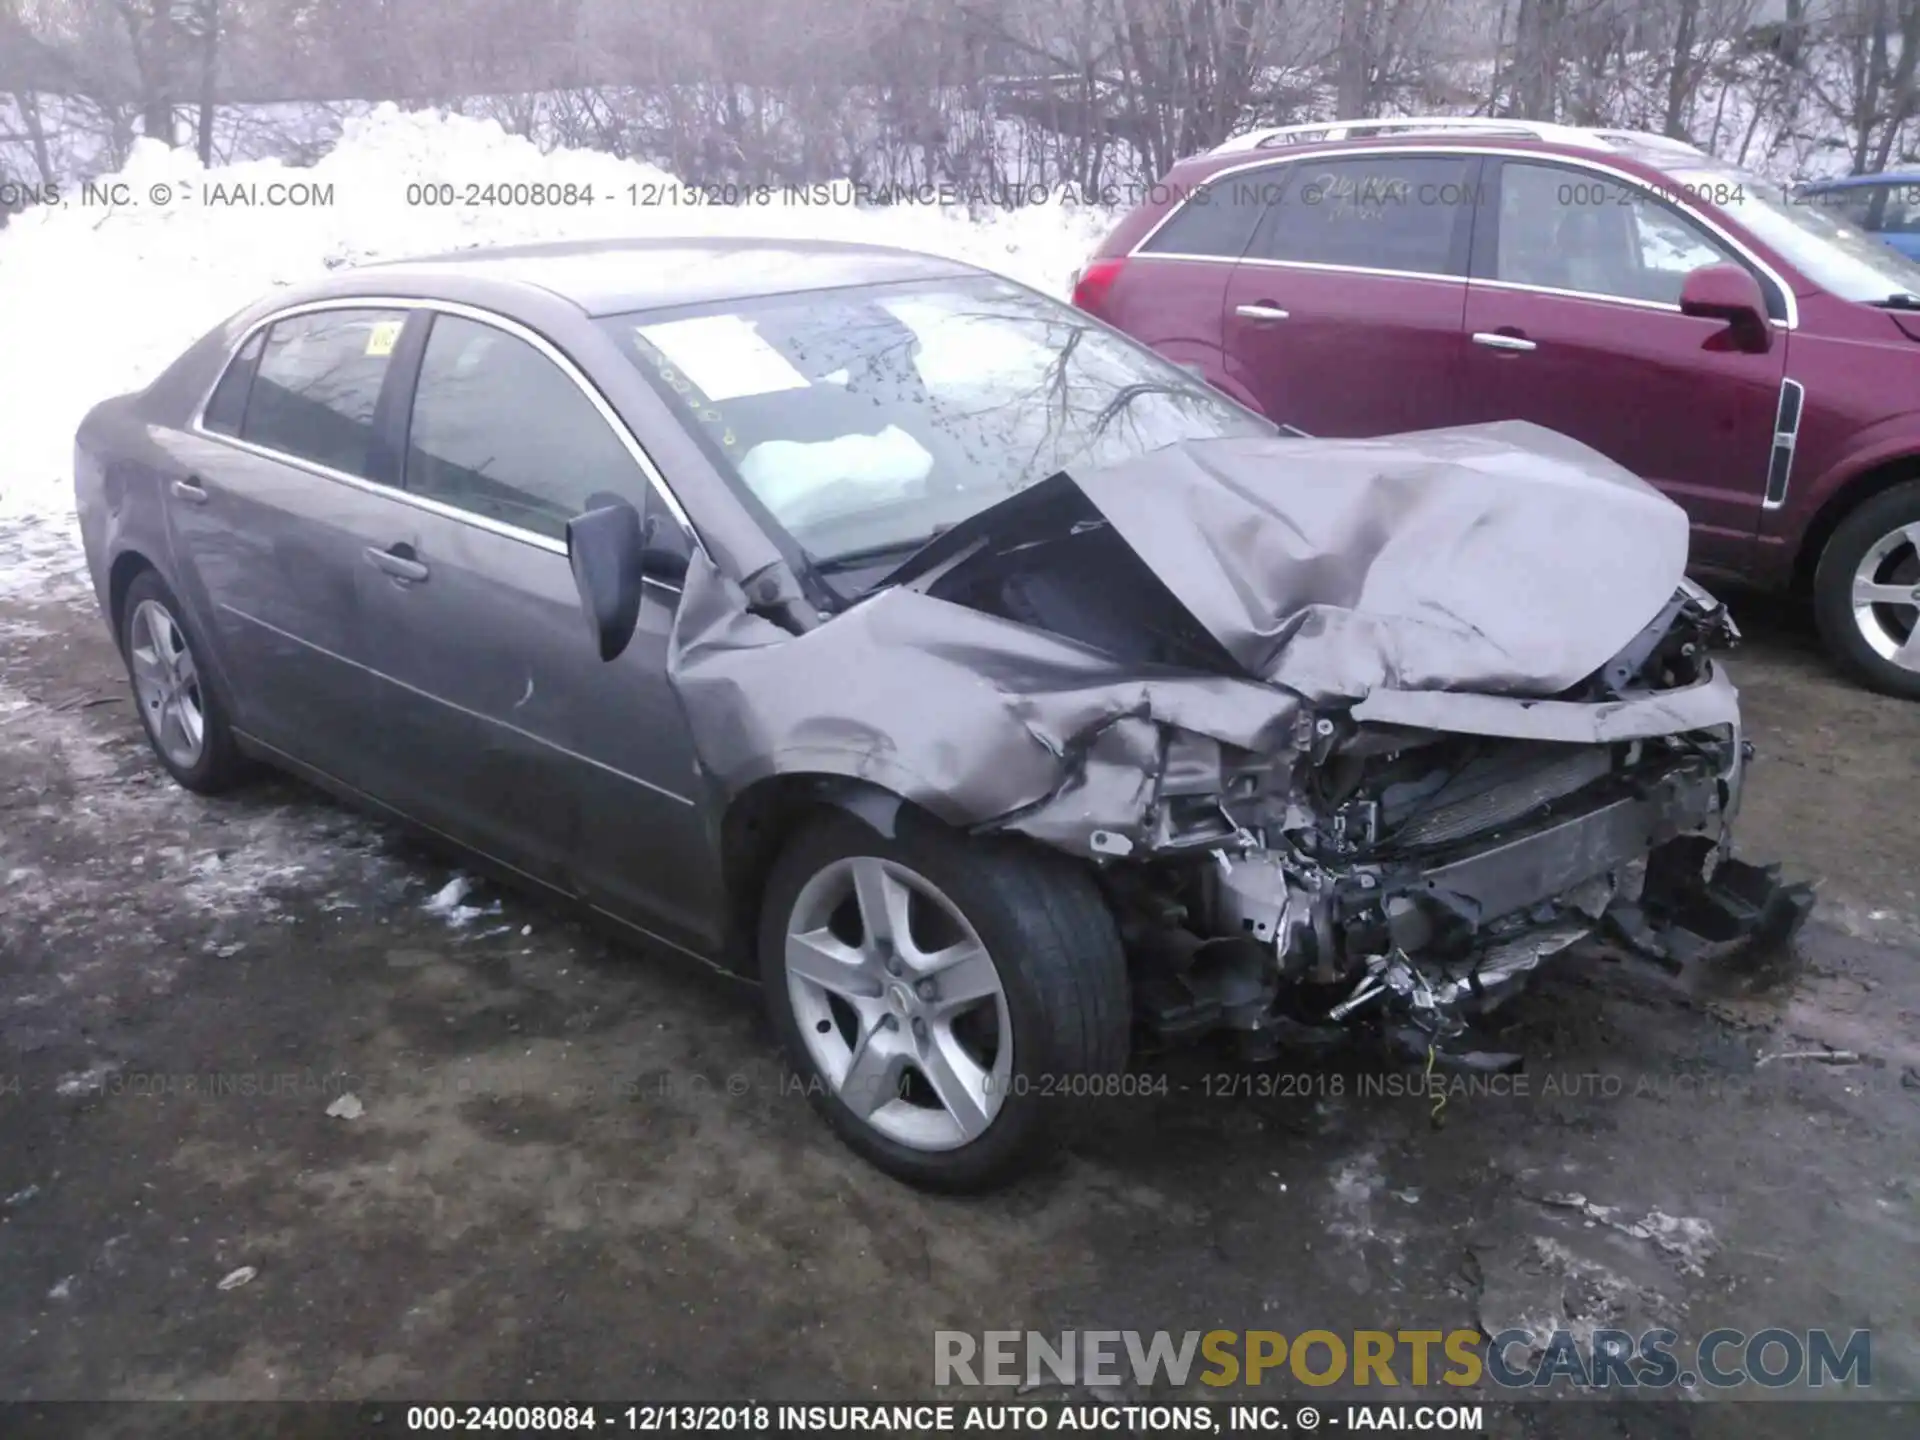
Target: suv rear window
{"points": [[1407, 213]]}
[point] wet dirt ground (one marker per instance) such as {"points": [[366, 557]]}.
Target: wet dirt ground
{"points": [[570, 1169]]}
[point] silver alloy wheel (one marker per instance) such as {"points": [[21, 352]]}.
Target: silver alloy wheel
{"points": [[1886, 596], [167, 684], [899, 1003]]}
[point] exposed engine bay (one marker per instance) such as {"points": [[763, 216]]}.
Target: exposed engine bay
{"points": [[1415, 878], [1357, 734]]}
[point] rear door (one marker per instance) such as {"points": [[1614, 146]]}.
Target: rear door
{"points": [[1169, 293], [504, 727], [284, 477], [1344, 316], [1574, 322]]}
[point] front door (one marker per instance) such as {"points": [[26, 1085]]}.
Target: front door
{"points": [[507, 730], [1573, 322], [1344, 316]]}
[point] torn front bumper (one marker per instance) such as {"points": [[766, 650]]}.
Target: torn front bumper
{"points": [[1426, 943]]}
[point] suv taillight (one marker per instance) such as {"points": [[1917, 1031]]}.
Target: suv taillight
{"points": [[1090, 287]]}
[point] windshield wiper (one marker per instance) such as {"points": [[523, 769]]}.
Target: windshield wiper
{"points": [[874, 554], [1899, 300]]}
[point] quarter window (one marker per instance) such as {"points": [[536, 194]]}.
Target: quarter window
{"points": [[1380, 212], [317, 384], [500, 431], [1217, 220], [1573, 230], [227, 406]]}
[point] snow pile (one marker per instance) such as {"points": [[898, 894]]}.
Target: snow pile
{"points": [[96, 299]]}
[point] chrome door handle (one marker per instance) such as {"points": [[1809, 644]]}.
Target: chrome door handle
{"points": [[191, 491], [1259, 312], [400, 567], [1495, 341]]}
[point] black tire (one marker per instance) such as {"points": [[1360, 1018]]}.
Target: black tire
{"points": [[1052, 941], [1879, 517], [219, 765]]}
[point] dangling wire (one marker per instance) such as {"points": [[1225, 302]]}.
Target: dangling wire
{"points": [[1439, 1097]]}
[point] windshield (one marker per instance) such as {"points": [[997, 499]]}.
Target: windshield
{"points": [[867, 420], [1810, 235]]}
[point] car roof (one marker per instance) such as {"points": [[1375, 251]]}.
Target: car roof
{"points": [[610, 277]]}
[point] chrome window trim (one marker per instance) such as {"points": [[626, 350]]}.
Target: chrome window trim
{"points": [[1422, 275], [1611, 172], [1309, 265], [481, 316], [1599, 295]]}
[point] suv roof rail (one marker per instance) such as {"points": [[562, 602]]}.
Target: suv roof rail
{"points": [[1414, 124], [1651, 140]]}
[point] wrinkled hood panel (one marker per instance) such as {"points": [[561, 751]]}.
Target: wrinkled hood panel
{"points": [[1503, 558], [1031, 668]]}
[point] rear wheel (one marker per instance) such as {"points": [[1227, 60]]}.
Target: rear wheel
{"points": [[1866, 591], [943, 998], [183, 717]]}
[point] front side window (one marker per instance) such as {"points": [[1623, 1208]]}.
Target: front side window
{"points": [[316, 385], [1567, 229], [501, 431], [868, 419], [1407, 213]]}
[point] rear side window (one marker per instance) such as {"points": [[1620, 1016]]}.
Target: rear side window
{"points": [[1217, 220], [228, 403], [500, 431], [317, 383], [1408, 213]]}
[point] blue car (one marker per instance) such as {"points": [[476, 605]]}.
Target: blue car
{"points": [[1886, 205]]}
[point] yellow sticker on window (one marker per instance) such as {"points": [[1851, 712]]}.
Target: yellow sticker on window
{"points": [[382, 337]]}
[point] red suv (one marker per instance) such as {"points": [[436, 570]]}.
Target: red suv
{"points": [[1751, 355]]}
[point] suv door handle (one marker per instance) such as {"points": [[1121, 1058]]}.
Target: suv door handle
{"points": [[399, 562], [1260, 311], [1495, 341], [191, 490]]}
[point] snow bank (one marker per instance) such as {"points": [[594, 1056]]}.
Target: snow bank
{"points": [[96, 299]]}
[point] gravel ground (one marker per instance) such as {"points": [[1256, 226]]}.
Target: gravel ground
{"points": [[570, 1169]]}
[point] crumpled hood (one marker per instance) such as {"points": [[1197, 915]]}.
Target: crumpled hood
{"points": [[1502, 559], [1059, 663]]}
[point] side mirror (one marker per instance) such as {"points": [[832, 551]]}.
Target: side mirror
{"points": [[613, 553], [1729, 292], [604, 547]]}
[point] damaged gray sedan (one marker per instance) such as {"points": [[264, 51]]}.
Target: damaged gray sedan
{"points": [[998, 694]]}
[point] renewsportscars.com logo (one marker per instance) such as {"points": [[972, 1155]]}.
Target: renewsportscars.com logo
{"points": [[1773, 1358]]}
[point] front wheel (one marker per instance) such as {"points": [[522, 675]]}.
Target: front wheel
{"points": [[1866, 591], [941, 997]]}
